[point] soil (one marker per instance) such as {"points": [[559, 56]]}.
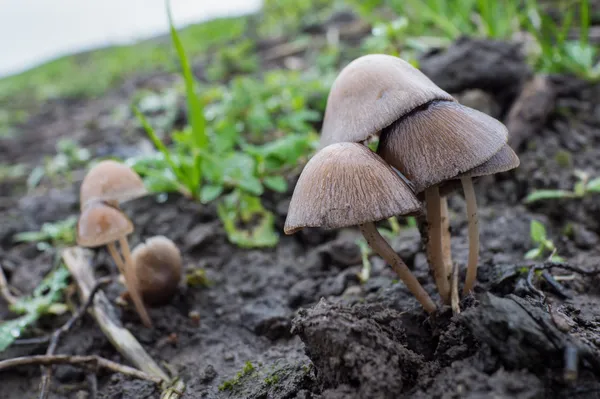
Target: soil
{"points": [[299, 314]]}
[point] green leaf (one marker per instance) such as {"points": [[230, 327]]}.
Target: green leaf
{"points": [[533, 253], [537, 231], [210, 192], [195, 109], [40, 302], [548, 194], [276, 183], [246, 222], [556, 258], [593, 185], [10, 330]]}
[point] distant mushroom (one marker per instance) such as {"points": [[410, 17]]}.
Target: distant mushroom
{"points": [[347, 184], [158, 267], [112, 182], [100, 224]]}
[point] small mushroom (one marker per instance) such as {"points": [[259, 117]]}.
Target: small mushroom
{"points": [[158, 269], [100, 224], [112, 182], [347, 184]]}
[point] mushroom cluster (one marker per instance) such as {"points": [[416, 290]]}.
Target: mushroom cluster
{"points": [[152, 267], [429, 145]]}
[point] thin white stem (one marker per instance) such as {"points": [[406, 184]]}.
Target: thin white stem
{"points": [[131, 283], [473, 220], [434, 243], [381, 247], [112, 250], [449, 266]]}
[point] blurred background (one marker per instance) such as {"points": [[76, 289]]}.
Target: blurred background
{"points": [[48, 29]]}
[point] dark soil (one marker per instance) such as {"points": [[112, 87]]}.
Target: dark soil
{"points": [[298, 312]]}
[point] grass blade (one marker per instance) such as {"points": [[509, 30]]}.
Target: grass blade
{"points": [[195, 109]]}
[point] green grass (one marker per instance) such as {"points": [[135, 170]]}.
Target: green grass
{"points": [[92, 73]]}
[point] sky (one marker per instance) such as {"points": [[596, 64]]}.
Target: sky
{"points": [[35, 31]]}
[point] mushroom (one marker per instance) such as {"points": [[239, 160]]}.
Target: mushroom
{"points": [[441, 140], [157, 264], [435, 145], [100, 224], [112, 182], [347, 184]]}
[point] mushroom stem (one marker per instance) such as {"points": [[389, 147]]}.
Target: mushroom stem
{"points": [[131, 283], [467, 184], [434, 225], [454, 298], [381, 247], [446, 242], [449, 266], [112, 250]]}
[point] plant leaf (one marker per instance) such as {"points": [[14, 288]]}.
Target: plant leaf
{"points": [[10, 330], [210, 192], [593, 185], [276, 183], [547, 194], [195, 111], [533, 253], [537, 232]]}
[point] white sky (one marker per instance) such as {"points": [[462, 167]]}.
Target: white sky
{"points": [[34, 31]]}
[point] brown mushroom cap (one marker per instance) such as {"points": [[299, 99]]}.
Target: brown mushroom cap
{"points": [[346, 184], [371, 93], [158, 268], [440, 141], [111, 181], [100, 224]]}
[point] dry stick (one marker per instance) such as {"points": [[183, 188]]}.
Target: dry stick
{"points": [[473, 220], [381, 247], [106, 315], [132, 285], [5, 290], [432, 199], [91, 361], [47, 375]]}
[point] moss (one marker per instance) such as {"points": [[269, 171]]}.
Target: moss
{"points": [[232, 383], [272, 379], [563, 158]]}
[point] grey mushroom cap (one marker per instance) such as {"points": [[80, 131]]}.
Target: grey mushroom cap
{"points": [[372, 92], [502, 161], [347, 184], [440, 141]]}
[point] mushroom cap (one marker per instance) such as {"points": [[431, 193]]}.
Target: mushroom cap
{"points": [[100, 224], [502, 161], [372, 92], [111, 181], [439, 141], [158, 268], [346, 184]]}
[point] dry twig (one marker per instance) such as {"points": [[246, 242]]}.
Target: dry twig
{"points": [[92, 362], [5, 289], [55, 337]]}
